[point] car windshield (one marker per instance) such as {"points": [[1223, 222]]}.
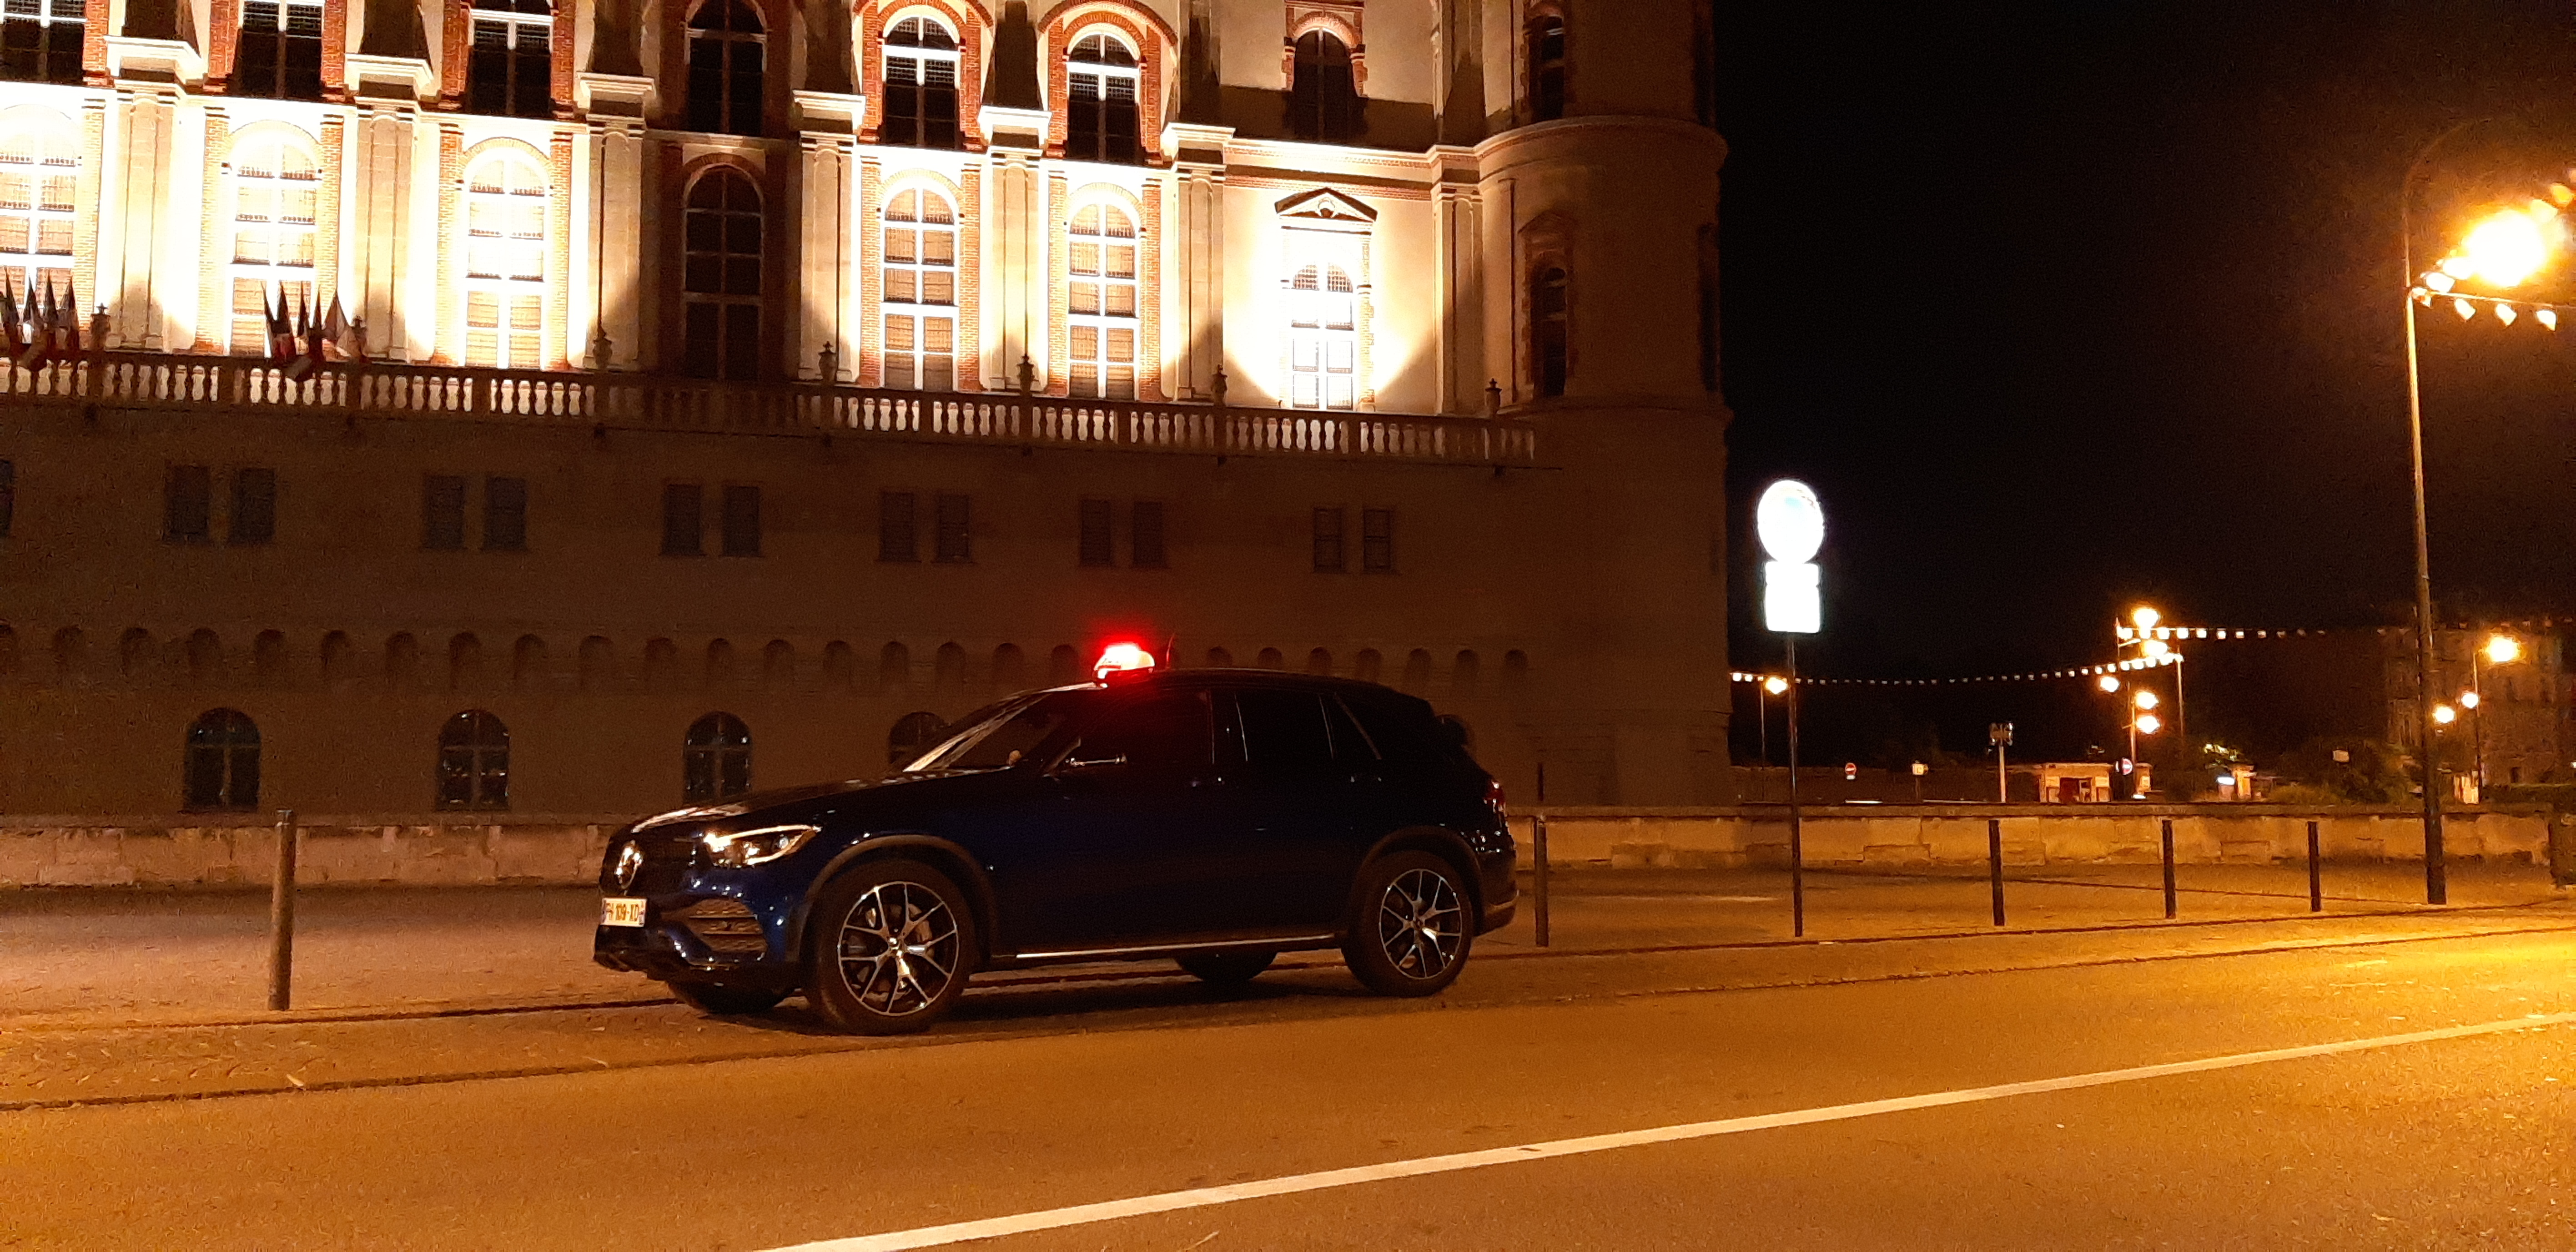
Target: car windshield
{"points": [[1000, 735]]}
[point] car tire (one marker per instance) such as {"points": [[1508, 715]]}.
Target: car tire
{"points": [[1227, 969], [891, 948], [1409, 933], [726, 1001]]}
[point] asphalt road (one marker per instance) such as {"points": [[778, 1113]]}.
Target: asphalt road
{"points": [[1059, 1094]]}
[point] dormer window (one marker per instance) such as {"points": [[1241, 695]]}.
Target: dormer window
{"points": [[1323, 95], [1101, 116], [280, 53], [726, 54], [920, 85], [510, 70], [40, 40]]}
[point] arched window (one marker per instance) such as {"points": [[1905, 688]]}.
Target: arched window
{"points": [[725, 63], [222, 768], [920, 85], [275, 188], [39, 174], [1100, 86], [134, 654], [1323, 96], [715, 759], [778, 664], [720, 280], [1548, 331], [1417, 672], [280, 51], [511, 68], [598, 661], [1466, 675], [1320, 662], [1100, 299], [1366, 666], [948, 671], [1269, 658], [474, 762], [40, 40], [894, 667], [1010, 669], [913, 733], [1545, 53], [528, 670], [1323, 339], [840, 666], [920, 292], [1064, 666], [505, 262], [1220, 658]]}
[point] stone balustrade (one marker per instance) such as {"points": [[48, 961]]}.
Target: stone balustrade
{"points": [[151, 380]]}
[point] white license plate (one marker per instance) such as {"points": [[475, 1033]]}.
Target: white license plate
{"points": [[621, 911]]}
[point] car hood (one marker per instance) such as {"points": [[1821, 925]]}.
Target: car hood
{"points": [[862, 798]]}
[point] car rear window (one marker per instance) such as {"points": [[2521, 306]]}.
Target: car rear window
{"points": [[1284, 730], [1401, 738]]}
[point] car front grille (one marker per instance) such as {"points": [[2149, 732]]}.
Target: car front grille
{"points": [[727, 927]]}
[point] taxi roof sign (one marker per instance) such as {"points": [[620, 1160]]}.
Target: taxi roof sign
{"points": [[1120, 658]]}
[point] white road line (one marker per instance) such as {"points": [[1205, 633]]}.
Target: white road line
{"points": [[1202, 1197]]}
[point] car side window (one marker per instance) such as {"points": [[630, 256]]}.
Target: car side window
{"points": [[1161, 731], [1351, 745], [1395, 736], [1283, 731]]}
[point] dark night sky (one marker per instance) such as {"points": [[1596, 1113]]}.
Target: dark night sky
{"points": [[2060, 306]]}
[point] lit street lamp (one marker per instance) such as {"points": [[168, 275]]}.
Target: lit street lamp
{"points": [[1762, 691], [2499, 650], [2502, 252]]}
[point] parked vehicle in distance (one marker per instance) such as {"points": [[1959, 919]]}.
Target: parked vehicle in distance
{"points": [[1212, 817]]}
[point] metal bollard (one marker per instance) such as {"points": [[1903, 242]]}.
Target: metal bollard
{"points": [[1995, 863], [281, 915], [2169, 877], [1538, 854], [2316, 880]]}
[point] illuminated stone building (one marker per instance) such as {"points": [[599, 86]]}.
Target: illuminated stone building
{"points": [[748, 386]]}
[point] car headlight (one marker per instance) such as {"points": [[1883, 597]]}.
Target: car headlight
{"points": [[735, 849]]}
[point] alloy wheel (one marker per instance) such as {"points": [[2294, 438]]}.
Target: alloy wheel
{"points": [[899, 948], [1419, 923]]}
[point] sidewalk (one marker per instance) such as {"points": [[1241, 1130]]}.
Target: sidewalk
{"points": [[87, 957]]}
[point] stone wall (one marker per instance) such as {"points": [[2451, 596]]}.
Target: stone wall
{"points": [[1896, 836], [566, 850]]}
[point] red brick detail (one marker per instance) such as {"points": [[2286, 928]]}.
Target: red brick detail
{"points": [[85, 230], [559, 249], [1149, 295], [447, 340], [326, 213], [1058, 347], [335, 51], [871, 336], [1341, 21], [560, 75], [1142, 28], [969, 23], [456, 45], [225, 17], [94, 18], [214, 301], [970, 281]]}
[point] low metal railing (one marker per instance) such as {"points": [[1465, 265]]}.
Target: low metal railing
{"points": [[149, 380]]}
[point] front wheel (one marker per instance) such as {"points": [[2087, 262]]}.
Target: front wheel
{"points": [[1409, 935], [891, 948]]}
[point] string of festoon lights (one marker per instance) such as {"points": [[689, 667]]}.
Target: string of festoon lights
{"points": [[2162, 634]]}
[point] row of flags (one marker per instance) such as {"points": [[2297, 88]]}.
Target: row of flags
{"points": [[49, 329]]}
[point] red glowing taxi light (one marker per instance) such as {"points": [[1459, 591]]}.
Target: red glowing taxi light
{"points": [[1121, 658]]}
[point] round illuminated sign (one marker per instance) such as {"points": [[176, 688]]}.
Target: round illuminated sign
{"points": [[1790, 520]]}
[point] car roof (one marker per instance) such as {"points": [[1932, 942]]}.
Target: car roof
{"points": [[1215, 676]]}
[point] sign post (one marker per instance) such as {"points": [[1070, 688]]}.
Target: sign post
{"points": [[2000, 735], [1791, 523]]}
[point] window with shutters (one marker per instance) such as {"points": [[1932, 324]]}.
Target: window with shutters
{"points": [[442, 513], [1100, 303], [254, 516], [1100, 105], [1331, 556], [1548, 337], [727, 47], [1323, 339], [505, 262], [221, 771], [741, 520], [920, 273], [40, 40], [920, 85], [1095, 545], [721, 277], [187, 504], [950, 545], [39, 174], [683, 520], [1544, 57], [1323, 94], [280, 51], [1145, 535], [276, 188], [510, 69], [1377, 541], [898, 533]]}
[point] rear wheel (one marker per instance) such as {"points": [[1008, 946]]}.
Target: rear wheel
{"points": [[726, 1001], [1409, 936], [891, 950], [1227, 969]]}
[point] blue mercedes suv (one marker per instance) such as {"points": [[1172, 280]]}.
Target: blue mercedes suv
{"points": [[1212, 817]]}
